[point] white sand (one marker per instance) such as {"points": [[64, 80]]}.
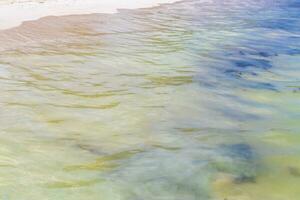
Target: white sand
{"points": [[13, 14]]}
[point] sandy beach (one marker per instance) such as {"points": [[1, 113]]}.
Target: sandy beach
{"points": [[13, 13]]}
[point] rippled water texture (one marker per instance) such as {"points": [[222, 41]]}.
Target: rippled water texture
{"points": [[187, 101]]}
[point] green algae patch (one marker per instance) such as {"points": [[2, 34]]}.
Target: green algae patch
{"points": [[168, 148], [97, 165], [170, 80], [103, 163], [189, 130], [72, 184]]}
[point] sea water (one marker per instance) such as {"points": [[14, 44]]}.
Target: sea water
{"points": [[192, 100]]}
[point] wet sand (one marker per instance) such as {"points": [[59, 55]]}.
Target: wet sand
{"points": [[13, 13]]}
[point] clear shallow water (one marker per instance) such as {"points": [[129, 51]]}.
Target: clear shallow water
{"points": [[188, 101]]}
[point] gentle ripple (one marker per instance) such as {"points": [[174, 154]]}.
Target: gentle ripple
{"points": [[192, 100]]}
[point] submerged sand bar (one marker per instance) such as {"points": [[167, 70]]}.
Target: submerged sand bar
{"points": [[13, 12]]}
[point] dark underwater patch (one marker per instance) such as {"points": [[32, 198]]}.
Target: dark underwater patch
{"points": [[258, 85], [240, 151], [234, 73], [294, 171], [295, 4], [266, 54], [240, 161], [245, 179], [293, 52], [256, 63], [242, 64], [238, 73]]}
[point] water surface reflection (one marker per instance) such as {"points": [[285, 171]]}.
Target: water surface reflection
{"points": [[193, 100]]}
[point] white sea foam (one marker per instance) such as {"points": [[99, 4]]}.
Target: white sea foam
{"points": [[14, 12]]}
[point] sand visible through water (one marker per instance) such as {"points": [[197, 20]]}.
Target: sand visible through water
{"points": [[191, 100]]}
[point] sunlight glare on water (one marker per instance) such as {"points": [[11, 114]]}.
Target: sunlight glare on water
{"points": [[191, 100]]}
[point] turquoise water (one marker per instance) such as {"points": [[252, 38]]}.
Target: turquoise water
{"points": [[192, 100]]}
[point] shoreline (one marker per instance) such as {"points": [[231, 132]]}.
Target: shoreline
{"points": [[17, 13]]}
